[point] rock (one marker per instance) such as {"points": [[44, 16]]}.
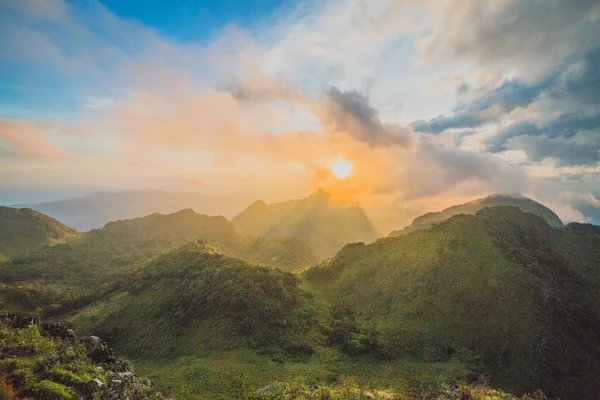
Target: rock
{"points": [[312, 388], [127, 374], [93, 340], [98, 383], [265, 389]]}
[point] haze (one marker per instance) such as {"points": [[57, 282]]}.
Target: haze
{"points": [[431, 103]]}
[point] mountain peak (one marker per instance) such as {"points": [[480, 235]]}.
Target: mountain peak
{"points": [[23, 230], [520, 201], [326, 226]]}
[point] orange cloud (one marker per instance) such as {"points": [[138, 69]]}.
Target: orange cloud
{"points": [[26, 139]]}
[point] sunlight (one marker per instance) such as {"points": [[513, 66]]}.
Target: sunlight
{"points": [[341, 168]]}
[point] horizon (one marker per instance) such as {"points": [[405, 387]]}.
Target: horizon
{"points": [[401, 107]]}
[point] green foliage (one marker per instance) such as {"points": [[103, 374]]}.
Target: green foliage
{"points": [[196, 285], [501, 291], [65, 277], [42, 362], [349, 389]]}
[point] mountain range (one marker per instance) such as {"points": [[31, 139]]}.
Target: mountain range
{"points": [[97, 209], [525, 204], [322, 223], [498, 288]]}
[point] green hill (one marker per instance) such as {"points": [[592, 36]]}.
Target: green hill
{"points": [[325, 225], [71, 274], [500, 293], [23, 230], [501, 288], [523, 203], [195, 299]]}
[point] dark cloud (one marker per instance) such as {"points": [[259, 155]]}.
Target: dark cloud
{"points": [[350, 111], [487, 108], [565, 126], [577, 82], [583, 85], [566, 152]]}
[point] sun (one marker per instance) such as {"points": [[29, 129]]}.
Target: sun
{"points": [[341, 168]]}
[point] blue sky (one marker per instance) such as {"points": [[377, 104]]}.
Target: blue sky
{"points": [[433, 102]]}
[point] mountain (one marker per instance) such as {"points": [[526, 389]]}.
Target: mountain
{"points": [[196, 298], [522, 202], [513, 297], [24, 230], [325, 225], [68, 275], [207, 313], [97, 209]]}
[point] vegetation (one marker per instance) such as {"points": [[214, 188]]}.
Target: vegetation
{"points": [[501, 290], [195, 288], [350, 389], [196, 307], [325, 225], [46, 361], [73, 274], [523, 203], [24, 230]]}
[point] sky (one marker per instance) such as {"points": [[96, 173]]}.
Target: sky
{"points": [[432, 103]]}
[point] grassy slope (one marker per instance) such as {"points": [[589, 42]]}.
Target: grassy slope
{"points": [[24, 230], [66, 275], [196, 296], [501, 284]]}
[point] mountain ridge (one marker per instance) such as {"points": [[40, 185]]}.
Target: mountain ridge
{"points": [[524, 203], [325, 225], [23, 230]]}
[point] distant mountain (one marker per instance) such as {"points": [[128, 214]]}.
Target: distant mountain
{"points": [[98, 209], [522, 202], [511, 296], [23, 230], [71, 274], [322, 223]]}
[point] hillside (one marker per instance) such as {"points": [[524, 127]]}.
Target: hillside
{"points": [[523, 203], [68, 275], [500, 288], [45, 360], [196, 289], [23, 230], [97, 209], [325, 225]]}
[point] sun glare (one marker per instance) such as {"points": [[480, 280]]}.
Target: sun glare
{"points": [[341, 168]]}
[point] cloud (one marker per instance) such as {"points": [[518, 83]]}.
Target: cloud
{"points": [[435, 170], [350, 111], [563, 126], [24, 139], [523, 36], [485, 109], [582, 149]]}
